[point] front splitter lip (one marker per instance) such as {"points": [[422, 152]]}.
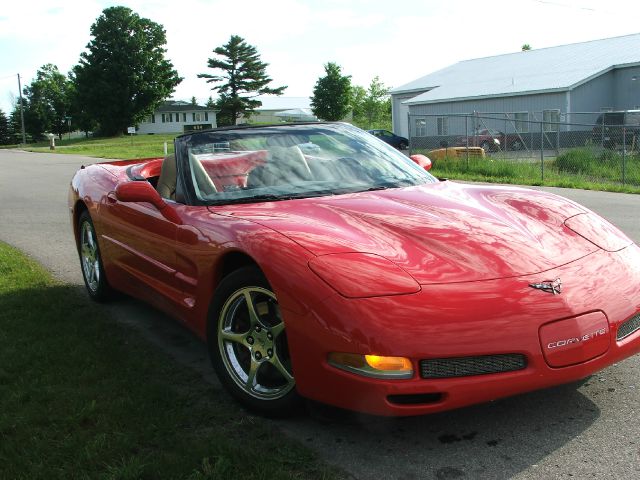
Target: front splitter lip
{"points": [[483, 318]]}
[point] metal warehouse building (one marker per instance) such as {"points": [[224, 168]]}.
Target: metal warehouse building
{"points": [[549, 84]]}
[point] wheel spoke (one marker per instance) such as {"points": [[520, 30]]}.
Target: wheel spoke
{"points": [[92, 273], [254, 319], [277, 330], [90, 239], [230, 336], [96, 271], [251, 375], [275, 361]]}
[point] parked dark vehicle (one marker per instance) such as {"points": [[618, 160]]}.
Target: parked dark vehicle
{"points": [[613, 129], [392, 139]]}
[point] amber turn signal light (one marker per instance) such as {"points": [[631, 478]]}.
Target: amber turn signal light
{"points": [[394, 364], [376, 366]]}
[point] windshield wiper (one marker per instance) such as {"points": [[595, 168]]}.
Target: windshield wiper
{"points": [[269, 197]]}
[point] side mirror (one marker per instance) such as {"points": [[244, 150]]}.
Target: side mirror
{"points": [[142, 191], [422, 160], [139, 191]]}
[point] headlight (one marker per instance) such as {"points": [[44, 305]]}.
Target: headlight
{"points": [[375, 366], [598, 231], [358, 275]]}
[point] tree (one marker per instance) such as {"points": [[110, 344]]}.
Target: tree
{"points": [[81, 119], [243, 77], [526, 47], [15, 124], [194, 102], [48, 102], [332, 94], [358, 95], [372, 107], [210, 103], [5, 134], [124, 74]]}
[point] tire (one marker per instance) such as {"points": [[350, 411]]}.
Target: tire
{"points": [[402, 146], [485, 146], [248, 345], [517, 145], [93, 274]]}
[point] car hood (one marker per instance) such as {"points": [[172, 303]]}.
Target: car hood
{"points": [[439, 233]]}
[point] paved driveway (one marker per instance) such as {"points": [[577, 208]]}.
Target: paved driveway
{"points": [[591, 431]]}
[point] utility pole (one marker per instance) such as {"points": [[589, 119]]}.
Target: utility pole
{"points": [[24, 137]]}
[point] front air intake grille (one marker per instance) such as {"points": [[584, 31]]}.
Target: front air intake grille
{"points": [[467, 366], [627, 328]]}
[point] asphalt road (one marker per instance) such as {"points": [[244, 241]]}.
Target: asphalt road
{"points": [[590, 431]]}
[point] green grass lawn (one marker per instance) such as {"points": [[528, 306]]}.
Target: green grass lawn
{"points": [[135, 146], [84, 397]]}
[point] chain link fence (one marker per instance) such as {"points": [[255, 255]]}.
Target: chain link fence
{"points": [[591, 146]]}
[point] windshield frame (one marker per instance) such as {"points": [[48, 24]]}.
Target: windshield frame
{"points": [[186, 191]]}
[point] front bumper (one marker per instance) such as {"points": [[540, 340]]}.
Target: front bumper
{"points": [[491, 317]]}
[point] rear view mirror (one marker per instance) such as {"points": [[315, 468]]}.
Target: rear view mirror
{"points": [[422, 160]]}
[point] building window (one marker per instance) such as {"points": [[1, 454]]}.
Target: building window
{"points": [[184, 117], [206, 116], [421, 127], [153, 118], [551, 119], [443, 125], [196, 117], [164, 118], [521, 122], [177, 118]]}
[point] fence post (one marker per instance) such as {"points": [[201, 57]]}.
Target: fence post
{"points": [[624, 154], [466, 136], [542, 151], [409, 133]]}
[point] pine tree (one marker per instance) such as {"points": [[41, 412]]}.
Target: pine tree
{"points": [[4, 129], [243, 78]]}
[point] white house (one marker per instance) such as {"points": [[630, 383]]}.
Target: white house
{"points": [[178, 117]]}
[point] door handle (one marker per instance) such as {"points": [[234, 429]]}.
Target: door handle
{"points": [[111, 197]]}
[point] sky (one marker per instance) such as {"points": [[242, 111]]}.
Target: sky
{"points": [[398, 41]]}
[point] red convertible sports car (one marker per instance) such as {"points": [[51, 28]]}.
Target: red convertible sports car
{"points": [[318, 262]]}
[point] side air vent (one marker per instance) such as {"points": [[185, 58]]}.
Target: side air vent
{"points": [[468, 366], [629, 327]]}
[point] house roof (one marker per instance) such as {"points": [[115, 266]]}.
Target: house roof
{"points": [[273, 102], [535, 71]]}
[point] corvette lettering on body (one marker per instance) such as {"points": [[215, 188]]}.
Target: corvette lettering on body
{"points": [[583, 338]]}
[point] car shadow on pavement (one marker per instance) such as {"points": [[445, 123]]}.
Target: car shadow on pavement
{"points": [[493, 440]]}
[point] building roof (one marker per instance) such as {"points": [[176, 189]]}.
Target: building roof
{"points": [[179, 106], [273, 102], [535, 71]]}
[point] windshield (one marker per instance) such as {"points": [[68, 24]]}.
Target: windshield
{"points": [[292, 161]]}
